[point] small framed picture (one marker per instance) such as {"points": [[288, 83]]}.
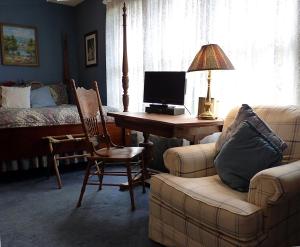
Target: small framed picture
{"points": [[91, 50], [19, 45]]}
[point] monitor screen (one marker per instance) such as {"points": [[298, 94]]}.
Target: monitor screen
{"points": [[164, 87]]}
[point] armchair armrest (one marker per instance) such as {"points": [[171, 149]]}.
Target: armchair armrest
{"points": [[272, 186], [191, 161]]}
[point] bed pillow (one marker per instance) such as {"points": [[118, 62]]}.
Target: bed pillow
{"points": [[247, 113], [246, 153], [59, 93], [6, 84], [41, 97], [15, 97]]}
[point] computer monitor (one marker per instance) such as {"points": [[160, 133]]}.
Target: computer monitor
{"points": [[164, 87]]}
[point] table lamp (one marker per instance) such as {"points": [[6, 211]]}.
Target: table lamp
{"points": [[210, 57]]}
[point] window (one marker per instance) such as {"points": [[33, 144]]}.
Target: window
{"points": [[259, 37]]}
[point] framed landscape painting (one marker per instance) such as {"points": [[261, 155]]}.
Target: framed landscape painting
{"points": [[19, 45], [91, 51]]}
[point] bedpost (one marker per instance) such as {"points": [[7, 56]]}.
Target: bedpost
{"points": [[66, 68], [125, 80], [66, 71]]}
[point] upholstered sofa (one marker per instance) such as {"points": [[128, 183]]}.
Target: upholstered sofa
{"points": [[192, 207]]}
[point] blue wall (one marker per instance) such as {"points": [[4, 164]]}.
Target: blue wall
{"points": [[51, 20], [91, 16]]}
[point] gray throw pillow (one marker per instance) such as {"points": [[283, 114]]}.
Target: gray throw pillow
{"points": [[246, 153], [247, 113]]}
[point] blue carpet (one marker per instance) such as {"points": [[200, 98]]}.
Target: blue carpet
{"points": [[33, 213]]}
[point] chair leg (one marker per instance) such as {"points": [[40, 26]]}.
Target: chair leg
{"points": [[49, 166], [101, 176], [85, 180], [130, 186], [58, 178], [143, 172]]}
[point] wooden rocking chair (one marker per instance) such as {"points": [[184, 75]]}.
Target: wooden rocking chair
{"points": [[100, 147]]}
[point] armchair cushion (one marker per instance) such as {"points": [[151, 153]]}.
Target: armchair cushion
{"points": [[243, 155], [207, 203], [247, 113]]}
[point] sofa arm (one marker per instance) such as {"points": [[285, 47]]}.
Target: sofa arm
{"points": [[191, 161], [272, 186]]}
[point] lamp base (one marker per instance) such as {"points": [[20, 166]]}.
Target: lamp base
{"points": [[207, 115]]}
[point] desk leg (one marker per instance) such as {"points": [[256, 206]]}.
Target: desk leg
{"points": [[148, 145], [148, 157]]}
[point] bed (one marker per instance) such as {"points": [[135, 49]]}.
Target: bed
{"points": [[23, 131]]}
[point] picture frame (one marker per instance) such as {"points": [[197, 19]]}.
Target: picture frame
{"points": [[91, 49], [19, 45]]}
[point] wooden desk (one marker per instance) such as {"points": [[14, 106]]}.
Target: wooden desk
{"points": [[181, 126]]}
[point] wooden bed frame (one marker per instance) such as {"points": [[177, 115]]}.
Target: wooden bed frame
{"points": [[28, 142]]}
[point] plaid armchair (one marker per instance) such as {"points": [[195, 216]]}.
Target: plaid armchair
{"points": [[192, 207]]}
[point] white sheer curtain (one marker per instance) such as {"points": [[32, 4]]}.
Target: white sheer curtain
{"points": [[114, 48], [259, 37]]}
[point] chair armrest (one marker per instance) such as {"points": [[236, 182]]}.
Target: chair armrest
{"points": [[191, 161], [272, 186]]}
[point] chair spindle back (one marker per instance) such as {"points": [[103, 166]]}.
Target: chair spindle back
{"points": [[90, 108]]}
